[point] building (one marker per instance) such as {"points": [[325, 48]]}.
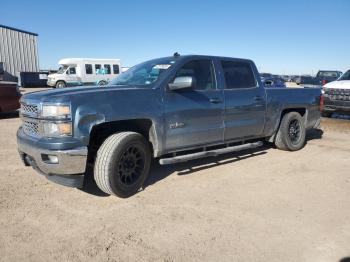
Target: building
{"points": [[18, 52]]}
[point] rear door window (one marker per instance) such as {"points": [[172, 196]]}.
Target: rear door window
{"points": [[238, 75]]}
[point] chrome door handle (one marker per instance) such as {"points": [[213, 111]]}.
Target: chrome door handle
{"points": [[215, 100]]}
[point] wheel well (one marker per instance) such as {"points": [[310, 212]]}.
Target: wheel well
{"points": [[301, 111], [61, 81], [100, 132]]}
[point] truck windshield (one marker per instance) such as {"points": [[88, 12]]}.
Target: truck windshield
{"points": [[62, 69], [145, 73], [345, 76]]}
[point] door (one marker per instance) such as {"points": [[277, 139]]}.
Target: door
{"points": [[89, 78], [194, 116], [245, 101], [72, 78]]}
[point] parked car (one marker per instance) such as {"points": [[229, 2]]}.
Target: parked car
{"points": [[337, 95], [174, 109], [286, 78], [9, 96], [276, 82], [84, 71], [303, 79], [322, 77]]}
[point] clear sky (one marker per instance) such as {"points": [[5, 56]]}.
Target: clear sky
{"points": [[285, 37]]}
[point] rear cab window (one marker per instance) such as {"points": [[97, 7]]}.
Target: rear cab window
{"points": [[238, 74]]}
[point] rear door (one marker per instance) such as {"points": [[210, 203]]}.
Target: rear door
{"points": [[245, 100], [194, 116]]}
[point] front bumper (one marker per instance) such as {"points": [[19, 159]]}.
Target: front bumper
{"points": [[336, 105], [51, 82], [69, 168]]}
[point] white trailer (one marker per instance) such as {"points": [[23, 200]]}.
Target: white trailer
{"points": [[84, 71]]}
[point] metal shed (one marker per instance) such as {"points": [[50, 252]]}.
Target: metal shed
{"points": [[18, 52]]}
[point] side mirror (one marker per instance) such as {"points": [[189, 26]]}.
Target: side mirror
{"points": [[182, 82], [67, 72]]}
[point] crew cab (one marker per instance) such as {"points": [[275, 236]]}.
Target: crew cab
{"points": [[337, 95], [171, 110]]}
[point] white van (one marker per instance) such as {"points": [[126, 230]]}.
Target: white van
{"points": [[84, 71]]}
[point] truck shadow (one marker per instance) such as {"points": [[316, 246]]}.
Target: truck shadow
{"points": [[159, 172], [314, 134]]}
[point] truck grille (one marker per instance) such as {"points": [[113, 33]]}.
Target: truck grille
{"points": [[29, 109], [338, 94], [31, 128]]}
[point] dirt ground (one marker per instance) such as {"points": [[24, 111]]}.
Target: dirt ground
{"points": [[261, 205]]}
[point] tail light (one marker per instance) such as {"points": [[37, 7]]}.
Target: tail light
{"points": [[324, 82], [321, 103]]}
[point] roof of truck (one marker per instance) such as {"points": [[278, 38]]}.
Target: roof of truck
{"points": [[205, 56]]}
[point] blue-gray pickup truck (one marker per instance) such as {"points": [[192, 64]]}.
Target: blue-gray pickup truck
{"points": [[172, 109]]}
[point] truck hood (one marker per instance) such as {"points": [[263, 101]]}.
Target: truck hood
{"points": [[342, 84], [66, 94]]}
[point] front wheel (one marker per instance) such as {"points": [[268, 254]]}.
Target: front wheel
{"points": [[60, 84], [291, 133], [122, 164]]}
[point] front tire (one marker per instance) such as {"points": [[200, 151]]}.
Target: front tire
{"points": [[291, 133], [122, 164], [60, 84]]}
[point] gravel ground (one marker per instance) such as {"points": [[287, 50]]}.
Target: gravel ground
{"points": [[261, 205]]}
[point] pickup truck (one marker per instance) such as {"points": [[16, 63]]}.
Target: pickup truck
{"points": [[337, 95], [172, 109], [322, 77]]}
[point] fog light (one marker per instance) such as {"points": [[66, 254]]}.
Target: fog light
{"points": [[49, 159], [53, 159]]}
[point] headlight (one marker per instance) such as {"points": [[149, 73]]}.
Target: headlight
{"points": [[57, 111], [56, 129]]}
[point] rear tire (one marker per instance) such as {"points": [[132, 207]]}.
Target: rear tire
{"points": [[122, 164], [291, 133], [102, 83], [60, 84]]}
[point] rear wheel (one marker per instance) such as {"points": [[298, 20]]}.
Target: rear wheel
{"points": [[122, 164], [102, 83], [60, 84], [291, 133]]}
